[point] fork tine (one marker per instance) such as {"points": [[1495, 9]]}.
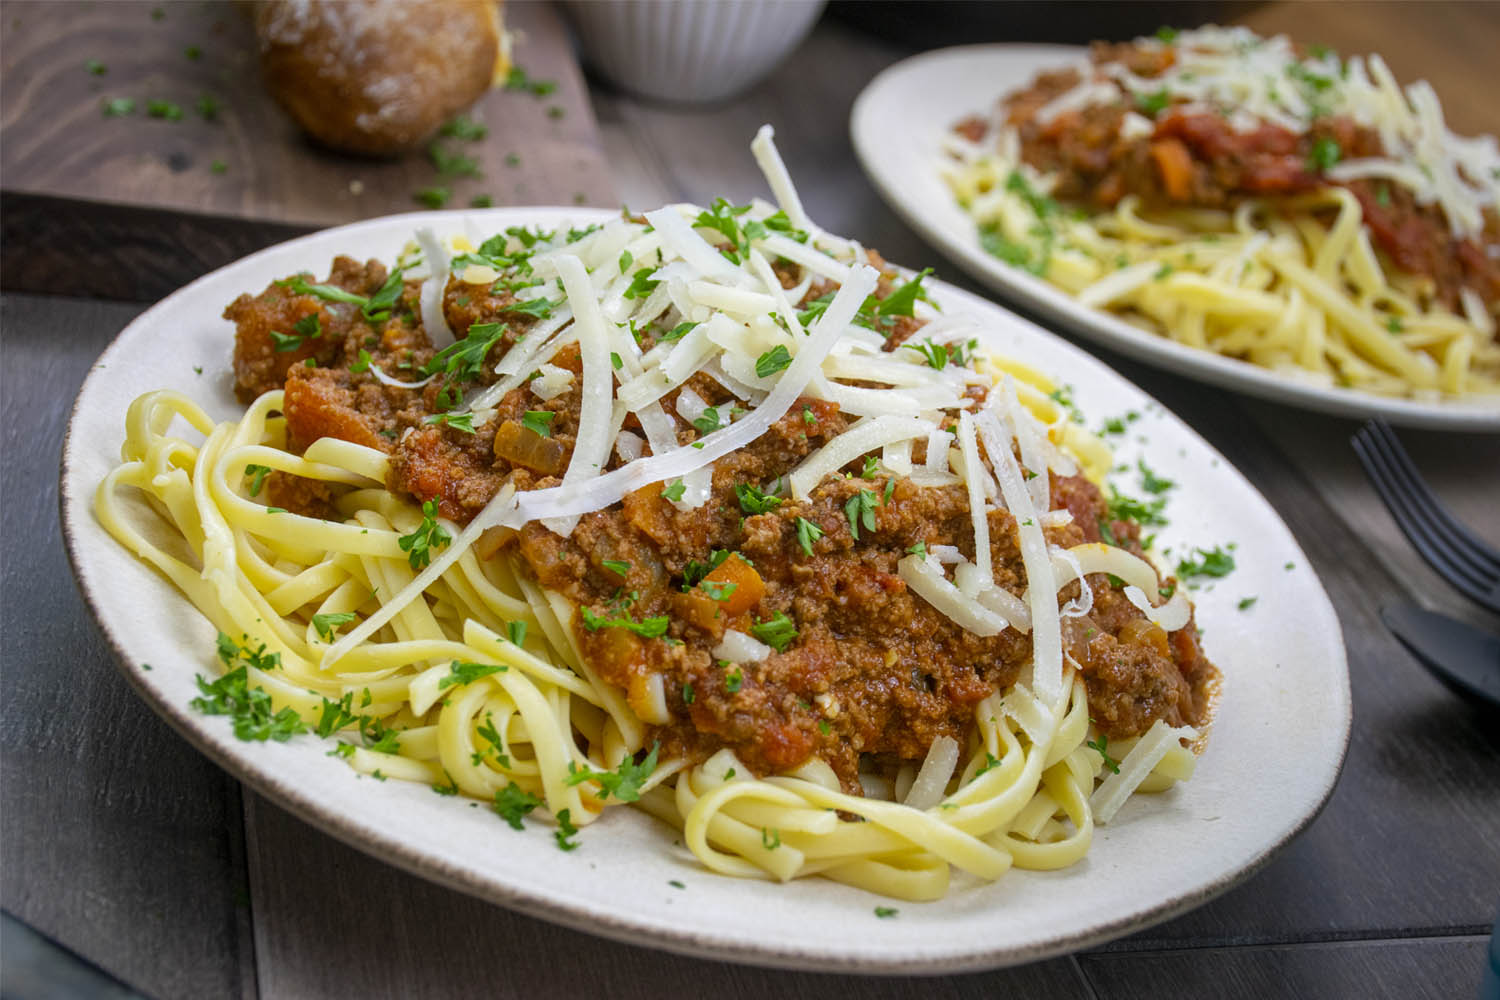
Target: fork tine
{"points": [[1480, 555], [1462, 560], [1413, 524]]}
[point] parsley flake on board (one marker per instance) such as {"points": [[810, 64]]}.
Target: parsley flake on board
{"points": [[624, 782], [884, 912], [426, 537], [1246, 603], [466, 128]]}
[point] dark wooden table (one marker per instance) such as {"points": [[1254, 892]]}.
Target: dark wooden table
{"points": [[121, 844]]}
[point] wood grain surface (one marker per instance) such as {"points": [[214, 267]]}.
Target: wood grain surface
{"points": [[125, 845], [539, 150]]}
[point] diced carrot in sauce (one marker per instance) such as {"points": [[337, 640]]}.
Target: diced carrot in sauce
{"points": [[1175, 165]]}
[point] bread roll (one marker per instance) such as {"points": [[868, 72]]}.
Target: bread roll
{"points": [[378, 76]]}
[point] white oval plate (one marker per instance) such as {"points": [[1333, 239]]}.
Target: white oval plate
{"points": [[919, 99], [1275, 751]]}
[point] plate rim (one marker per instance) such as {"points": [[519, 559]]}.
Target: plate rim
{"points": [[1098, 326], [614, 923]]}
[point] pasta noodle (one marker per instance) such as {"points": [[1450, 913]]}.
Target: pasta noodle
{"points": [[454, 667], [1291, 280]]}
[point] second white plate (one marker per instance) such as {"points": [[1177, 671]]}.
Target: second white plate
{"points": [[920, 98]]}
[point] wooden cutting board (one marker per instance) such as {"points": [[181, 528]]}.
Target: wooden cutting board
{"points": [[249, 161]]}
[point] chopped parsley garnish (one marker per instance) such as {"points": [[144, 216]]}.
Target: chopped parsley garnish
{"points": [[617, 566], [537, 308], [461, 673], [936, 355], [997, 245], [458, 421], [95, 67], [778, 631], [770, 839], [807, 534], [674, 491], [327, 624], [642, 284], [695, 571], [1166, 34], [208, 107], [624, 782], [776, 359], [753, 501], [1150, 481], [257, 474], [1324, 154], [516, 631], [464, 359], [719, 590], [708, 422], [886, 911], [490, 735], [990, 762], [250, 709], [1246, 603], [565, 829], [902, 301], [1102, 745], [688, 696], [448, 162], [1143, 512], [539, 422], [1152, 105], [734, 680], [860, 510], [118, 107], [1217, 562], [513, 802], [919, 550], [517, 79], [1393, 324], [679, 331], [427, 536], [299, 285], [481, 201], [649, 628]]}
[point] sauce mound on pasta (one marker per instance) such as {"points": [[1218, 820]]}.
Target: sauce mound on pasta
{"points": [[858, 664]]}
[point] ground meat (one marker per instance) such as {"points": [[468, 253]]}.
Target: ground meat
{"points": [[867, 669], [1196, 158]]}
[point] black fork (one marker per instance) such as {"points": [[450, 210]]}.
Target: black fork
{"points": [[1459, 556]]}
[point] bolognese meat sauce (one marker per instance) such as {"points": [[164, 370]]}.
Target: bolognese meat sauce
{"points": [[859, 666]]}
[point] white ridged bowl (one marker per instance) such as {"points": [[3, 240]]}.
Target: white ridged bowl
{"points": [[692, 51]]}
